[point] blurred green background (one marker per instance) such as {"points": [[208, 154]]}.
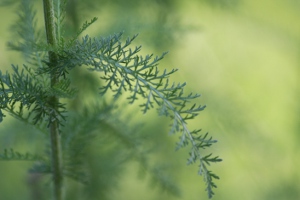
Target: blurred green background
{"points": [[243, 56]]}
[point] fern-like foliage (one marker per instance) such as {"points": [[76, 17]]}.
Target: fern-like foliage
{"points": [[26, 94], [30, 93], [23, 90], [124, 70], [28, 38]]}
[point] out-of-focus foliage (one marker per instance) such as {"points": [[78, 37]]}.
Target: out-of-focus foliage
{"points": [[28, 95], [225, 4], [157, 20], [246, 65]]}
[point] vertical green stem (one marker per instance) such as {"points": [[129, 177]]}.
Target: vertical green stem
{"points": [[56, 154]]}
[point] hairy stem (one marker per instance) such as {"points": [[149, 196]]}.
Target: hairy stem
{"points": [[53, 102]]}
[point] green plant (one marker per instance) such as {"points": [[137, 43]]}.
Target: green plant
{"points": [[43, 94]]}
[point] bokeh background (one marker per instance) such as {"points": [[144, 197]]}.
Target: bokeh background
{"points": [[243, 56]]}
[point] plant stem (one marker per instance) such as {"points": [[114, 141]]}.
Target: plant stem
{"points": [[56, 152]]}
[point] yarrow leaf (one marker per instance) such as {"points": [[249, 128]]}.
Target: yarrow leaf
{"points": [[123, 70]]}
